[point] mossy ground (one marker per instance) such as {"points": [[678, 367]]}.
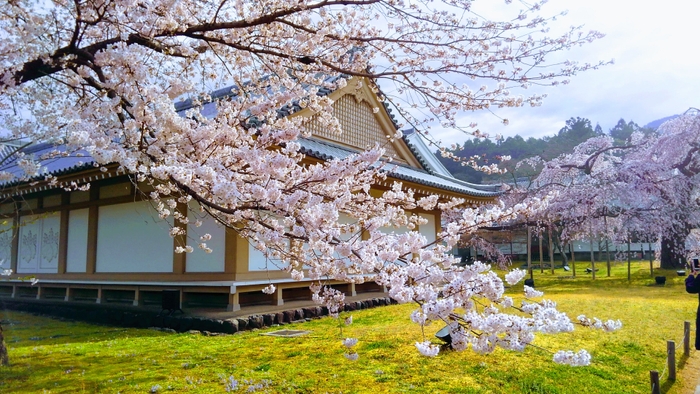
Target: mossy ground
{"points": [[54, 356]]}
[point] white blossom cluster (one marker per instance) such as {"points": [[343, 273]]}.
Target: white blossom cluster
{"points": [[350, 353], [4, 271], [485, 322], [609, 325], [580, 358], [427, 349]]}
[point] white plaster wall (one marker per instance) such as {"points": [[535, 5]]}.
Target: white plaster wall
{"points": [[28, 249], [5, 243], [428, 230], [50, 235], [258, 262], [131, 238], [346, 219], [395, 230], [38, 244], [199, 260], [76, 257]]}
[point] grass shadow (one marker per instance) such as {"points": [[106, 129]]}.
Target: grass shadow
{"points": [[666, 386], [24, 329]]}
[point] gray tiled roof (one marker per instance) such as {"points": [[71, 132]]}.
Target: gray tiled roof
{"points": [[208, 109], [62, 165], [431, 175], [326, 151], [52, 157]]}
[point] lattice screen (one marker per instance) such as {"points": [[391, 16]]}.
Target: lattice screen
{"points": [[360, 128]]}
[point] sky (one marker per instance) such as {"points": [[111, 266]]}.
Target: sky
{"points": [[656, 72]]}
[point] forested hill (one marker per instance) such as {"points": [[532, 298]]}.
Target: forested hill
{"points": [[575, 132]]}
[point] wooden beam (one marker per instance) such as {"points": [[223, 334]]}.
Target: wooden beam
{"points": [[180, 259], [93, 220], [63, 242]]}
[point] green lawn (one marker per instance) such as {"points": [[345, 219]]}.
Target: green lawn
{"points": [[53, 356]]}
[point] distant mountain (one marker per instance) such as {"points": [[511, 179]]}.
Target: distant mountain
{"points": [[656, 123]]}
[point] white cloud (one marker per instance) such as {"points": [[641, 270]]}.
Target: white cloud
{"points": [[657, 62]]}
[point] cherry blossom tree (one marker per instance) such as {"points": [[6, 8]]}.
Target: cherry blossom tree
{"points": [[664, 172], [101, 76], [644, 188]]}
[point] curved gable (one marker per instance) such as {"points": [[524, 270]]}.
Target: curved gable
{"points": [[364, 122]]}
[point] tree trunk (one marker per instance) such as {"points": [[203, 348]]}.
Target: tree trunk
{"points": [[529, 251], [539, 238], [671, 256], [673, 248], [573, 257], [4, 358], [607, 244], [562, 248], [562, 251], [551, 249]]}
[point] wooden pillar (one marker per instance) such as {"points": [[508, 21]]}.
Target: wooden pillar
{"points": [[438, 226], [91, 261], [69, 294], [236, 255], [63, 242], [180, 259], [233, 303], [279, 300], [353, 291], [138, 297], [39, 291], [98, 300]]}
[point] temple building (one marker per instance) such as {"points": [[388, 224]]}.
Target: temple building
{"points": [[108, 245]]}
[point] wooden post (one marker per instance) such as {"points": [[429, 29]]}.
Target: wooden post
{"points": [[511, 245], [629, 261], [651, 260], [539, 238], [592, 257], [654, 376], [551, 249], [607, 244], [686, 338], [529, 251], [671, 357], [573, 259]]}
